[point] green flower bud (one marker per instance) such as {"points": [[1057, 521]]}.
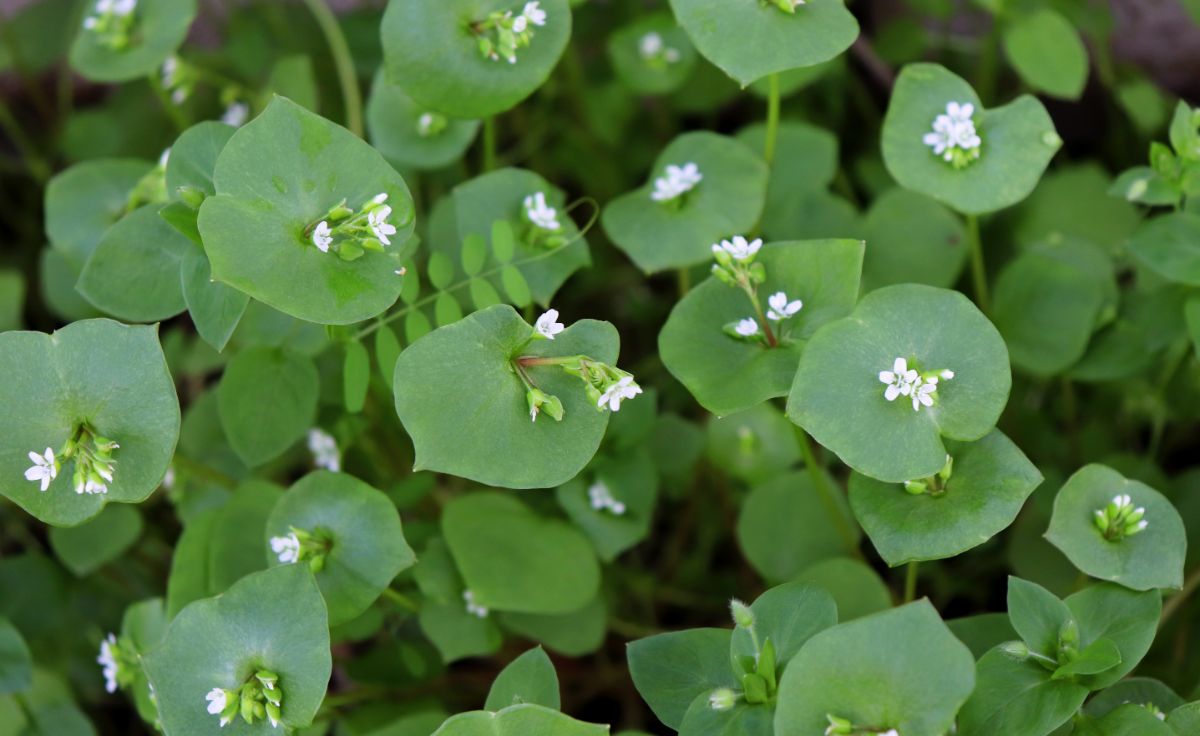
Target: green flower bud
{"points": [[743, 617], [192, 196], [915, 487], [722, 699], [1015, 649]]}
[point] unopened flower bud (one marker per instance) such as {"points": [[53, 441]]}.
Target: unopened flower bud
{"points": [[722, 699]]}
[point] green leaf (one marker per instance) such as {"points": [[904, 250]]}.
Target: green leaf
{"points": [[267, 399], [728, 201], [194, 157], [990, 482], [785, 525], [912, 238], [727, 375], [47, 708], [754, 445], [572, 634], [1013, 696], [483, 294], [1038, 616], [465, 408], [356, 376], [189, 579], [530, 678], [444, 618], [394, 124], [440, 270], [504, 242], [899, 669], [474, 253], [85, 200], [16, 664], [856, 588], [234, 547], [111, 375], [93, 544], [159, 27], [515, 286], [671, 670], [789, 615], [387, 352], [1185, 719], [431, 57], [1047, 53], [1098, 657], [293, 77], [1150, 559], [1133, 690], [513, 559], [276, 177], [133, 274], [632, 481], [838, 398], [660, 73], [811, 154], [367, 548], [1169, 245], [982, 631], [526, 719], [1129, 619], [748, 41], [1133, 719], [1074, 201], [1018, 142], [740, 720], [416, 326], [274, 620], [216, 309]]}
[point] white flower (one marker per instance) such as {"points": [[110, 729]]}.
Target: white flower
{"points": [[679, 179], [946, 373], [618, 392], [169, 69], [954, 130], [379, 198], [548, 325], [217, 700], [923, 391], [287, 549], [738, 248], [377, 219], [746, 327], [534, 14], [236, 114], [108, 662], [601, 498], [44, 468], [900, 380], [474, 608], [91, 486], [541, 214], [650, 45], [124, 7], [322, 236], [520, 24], [781, 308], [324, 449], [425, 124]]}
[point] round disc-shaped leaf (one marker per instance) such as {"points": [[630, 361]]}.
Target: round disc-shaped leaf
{"points": [[650, 65], [431, 50], [900, 669], [912, 238], [83, 201], [749, 39], [273, 620], [1150, 559], [991, 480], [1047, 53], [395, 124], [838, 397], [680, 232], [727, 375], [111, 375], [276, 177], [159, 27], [134, 272], [1018, 142], [367, 548], [512, 559], [267, 400], [462, 402]]}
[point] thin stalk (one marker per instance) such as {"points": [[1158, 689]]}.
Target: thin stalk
{"points": [[772, 119], [33, 160], [1174, 603], [978, 271], [827, 493], [772, 341], [910, 582], [683, 278], [401, 600], [489, 144], [343, 62]]}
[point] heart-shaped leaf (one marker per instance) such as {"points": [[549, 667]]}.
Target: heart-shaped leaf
{"points": [[110, 375], [855, 586], [276, 178], [158, 28], [360, 525], [463, 404], [839, 399], [680, 232], [749, 39], [1017, 142], [432, 51], [530, 678], [194, 157], [725, 374], [990, 482], [411, 136]]}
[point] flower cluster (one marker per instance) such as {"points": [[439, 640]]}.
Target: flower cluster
{"points": [[655, 51], [954, 137], [94, 463], [757, 674], [842, 727], [353, 233], [934, 485], [921, 387], [679, 180], [503, 33], [324, 450], [601, 499], [259, 698], [474, 608], [430, 124], [735, 266], [299, 545], [118, 662], [112, 22], [1119, 519]]}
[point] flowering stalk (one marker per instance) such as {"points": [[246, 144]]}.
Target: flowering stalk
{"points": [[350, 233], [735, 266]]}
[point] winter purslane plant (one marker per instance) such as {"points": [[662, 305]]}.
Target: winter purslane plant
{"points": [[307, 427]]}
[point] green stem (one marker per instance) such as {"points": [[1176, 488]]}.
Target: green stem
{"points": [[1176, 601], [772, 119], [489, 144], [401, 600], [978, 272], [683, 278], [33, 161], [343, 62], [827, 493], [910, 582]]}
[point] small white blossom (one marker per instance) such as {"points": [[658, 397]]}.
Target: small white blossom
{"points": [[474, 608], [217, 700], [169, 68], [601, 498], [679, 180], [954, 132], [236, 114], [425, 124], [534, 13], [324, 449], [946, 374], [781, 308], [91, 487], [108, 662], [541, 214], [923, 391], [618, 392], [377, 219], [747, 327], [44, 468], [900, 380], [651, 45], [379, 198], [738, 248], [548, 325], [322, 236], [520, 24], [286, 548]]}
